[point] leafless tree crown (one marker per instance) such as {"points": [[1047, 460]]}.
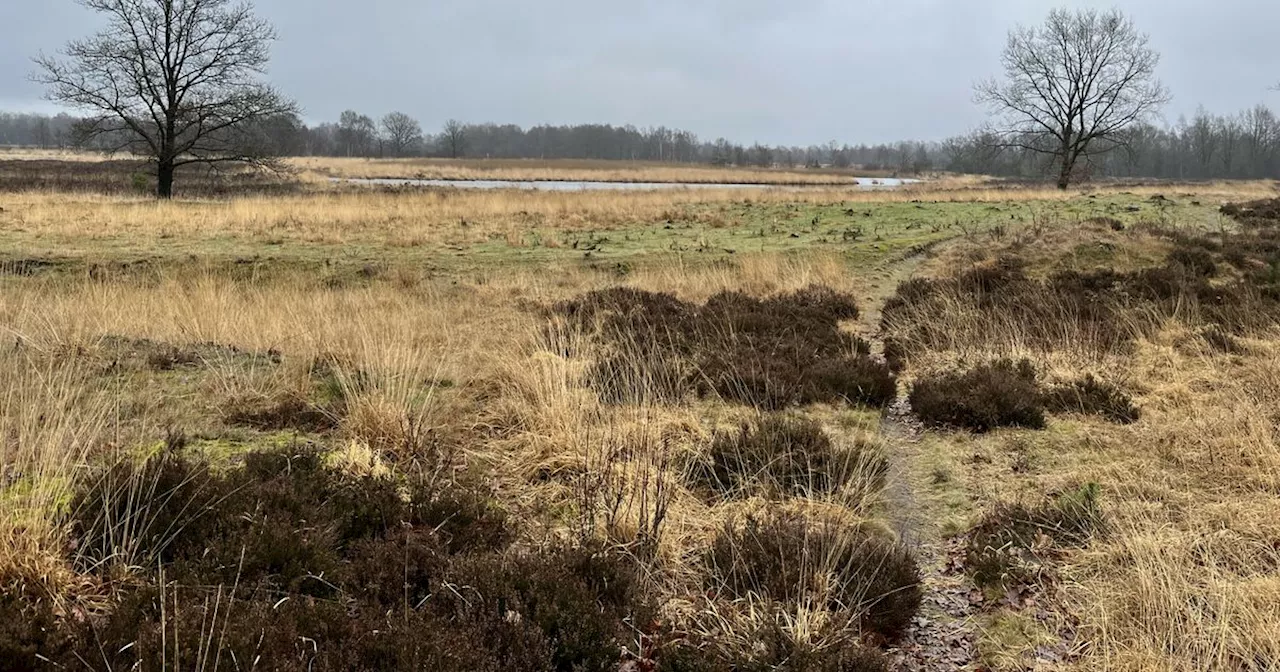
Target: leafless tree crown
{"points": [[454, 138], [401, 132], [1073, 86], [176, 80]]}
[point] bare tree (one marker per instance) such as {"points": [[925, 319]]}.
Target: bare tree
{"points": [[1073, 86], [402, 132], [454, 138], [174, 80], [356, 133]]}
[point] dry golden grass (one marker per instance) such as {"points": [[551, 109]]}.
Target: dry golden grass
{"points": [[1188, 574], [445, 217], [562, 461], [37, 154], [50, 421], [1191, 576], [444, 371]]}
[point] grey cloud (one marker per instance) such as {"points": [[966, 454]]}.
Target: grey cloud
{"points": [[777, 71]]}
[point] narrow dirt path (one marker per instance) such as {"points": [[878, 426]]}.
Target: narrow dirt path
{"points": [[943, 636]]}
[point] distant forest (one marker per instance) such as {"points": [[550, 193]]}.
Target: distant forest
{"points": [[1207, 146]]}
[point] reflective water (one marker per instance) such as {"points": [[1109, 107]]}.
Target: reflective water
{"points": [[567, 185]]}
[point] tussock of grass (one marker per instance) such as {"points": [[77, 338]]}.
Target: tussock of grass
{"points": [[1091, 396], [792, 560], [786, 455]]}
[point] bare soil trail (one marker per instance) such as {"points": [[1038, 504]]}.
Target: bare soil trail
{"points": [[944, 635]]}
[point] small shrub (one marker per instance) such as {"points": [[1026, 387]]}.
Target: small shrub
{"points": [[855, 380], [896, 356], [1003, 545], [1091, 396], [1108, 222], [770, 353], [300, 567], [789, 559], [297, 635], [1195, 260], [581, 599], [774, 649], [786, 455], [467, 519], [168, 357], [28, 628], [997, 394], [993, 278]]}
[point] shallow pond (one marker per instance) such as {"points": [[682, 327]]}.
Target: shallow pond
{"points": [[571, 185]]}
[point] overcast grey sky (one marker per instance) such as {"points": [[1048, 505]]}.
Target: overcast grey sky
{"points": [[774, 71]]}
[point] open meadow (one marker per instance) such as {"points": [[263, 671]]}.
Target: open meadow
{"points": [[964, 424]]}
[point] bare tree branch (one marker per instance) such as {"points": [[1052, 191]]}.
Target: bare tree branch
{"points": [[1072, 87], [401, 132], [176, 80]]}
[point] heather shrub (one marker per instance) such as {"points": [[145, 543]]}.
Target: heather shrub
{"points": [[774, 649], [284, 561], [28, 628], [1002, 393], [1227, 280], [771, 352], [1194, 259], [785, 455], [289, 412], [855, 380]]}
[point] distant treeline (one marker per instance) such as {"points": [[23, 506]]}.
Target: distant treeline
{"points": [[1241, 146], [398, 135], [1244, 145]]}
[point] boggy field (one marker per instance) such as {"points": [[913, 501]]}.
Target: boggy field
{"points": [[957, 426]]}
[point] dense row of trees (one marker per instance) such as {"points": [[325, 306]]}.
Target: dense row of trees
{"points": [[400, 135], [1244, 145]]}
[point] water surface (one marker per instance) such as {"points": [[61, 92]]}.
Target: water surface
{"points": [[593, 185]]}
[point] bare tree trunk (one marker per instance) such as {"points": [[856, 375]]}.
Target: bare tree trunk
{"points": [[164, 179], [1064, 177], [1068, 161]]}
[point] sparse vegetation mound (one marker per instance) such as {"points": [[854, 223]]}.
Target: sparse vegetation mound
{"points": [[289, 563], [771, 353], [1002, 393], [787, 455], [1011, 541], [789, 559], [1102, 311]]}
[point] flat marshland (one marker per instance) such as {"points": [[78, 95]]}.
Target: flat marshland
{"points": [[334, 427]]}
